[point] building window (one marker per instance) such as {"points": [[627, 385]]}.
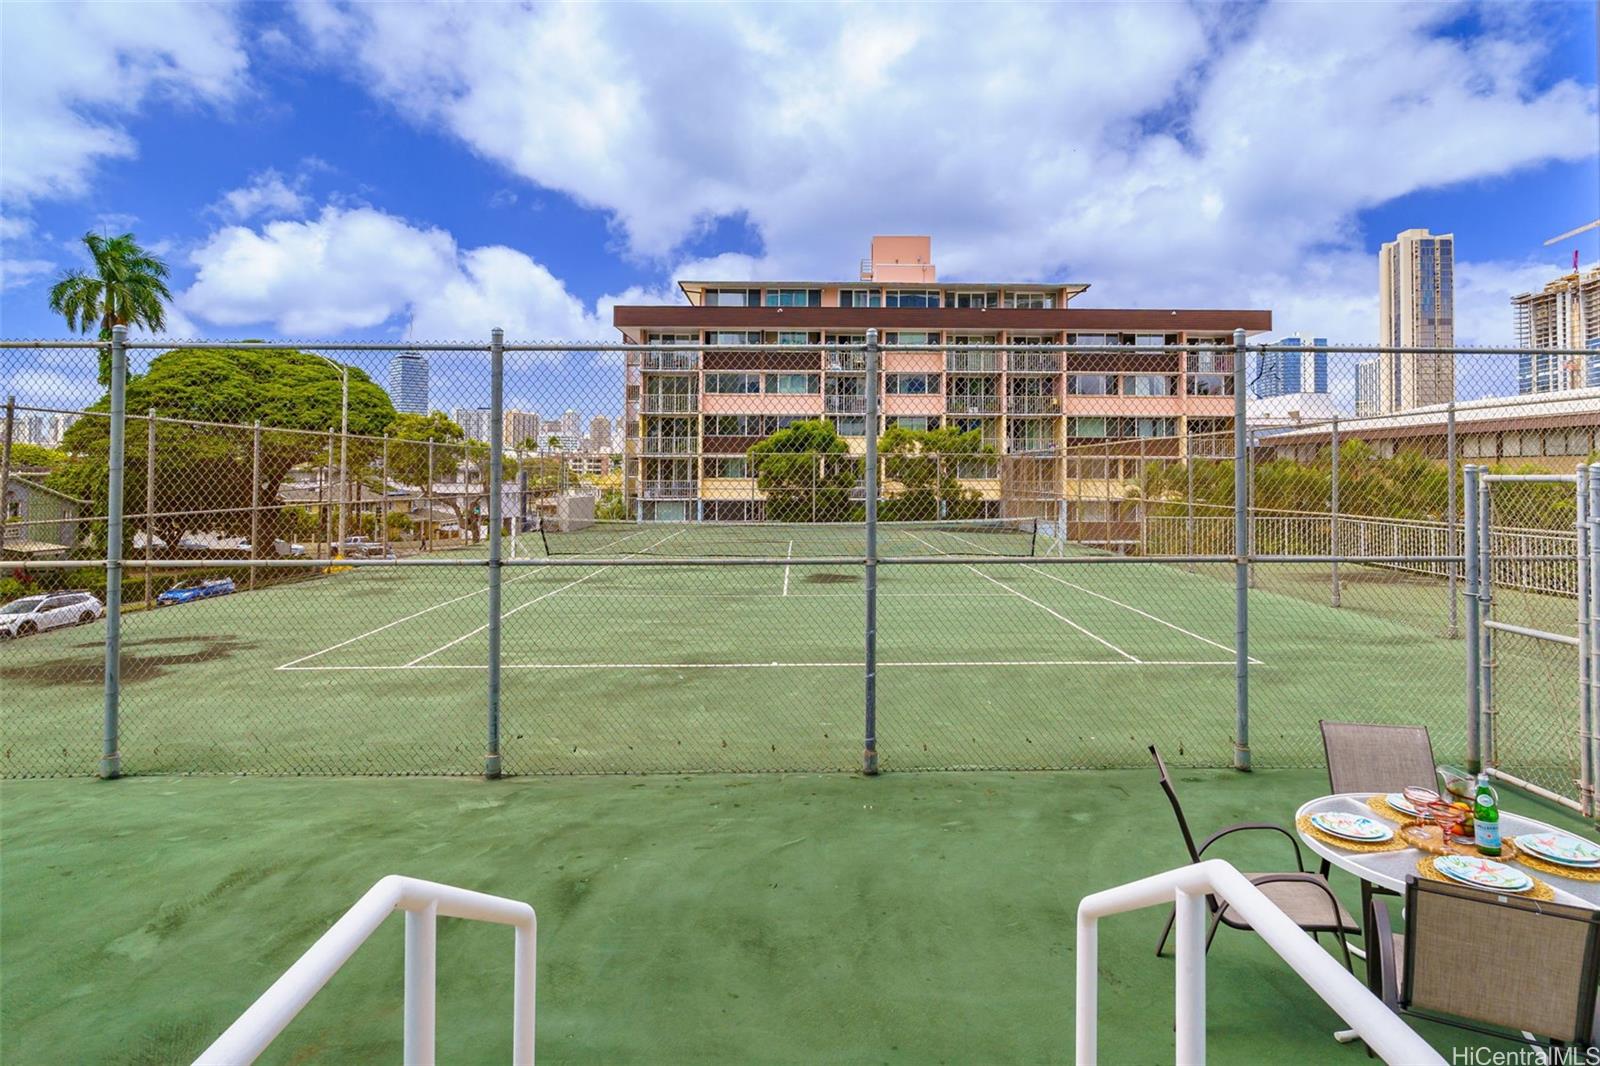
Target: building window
{"points": [[1088, 427], [733, 297], [1029, 299], [920, 422], [902, 337], [793, 384], [1210, 385], [733, 383], [794, 297], [725, 466], [1090, 340], [1156, 427], [851, 426], [910, 384], [1150, 385], [860, 298], [794, 337], [912, 298], [733, 337], [1149, 340], [972, 299], [1091, 384]]}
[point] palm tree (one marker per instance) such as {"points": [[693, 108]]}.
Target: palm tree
{"points": [[126, 289]]}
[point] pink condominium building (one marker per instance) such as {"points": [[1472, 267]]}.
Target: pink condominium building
{"points": [[691, 415]]}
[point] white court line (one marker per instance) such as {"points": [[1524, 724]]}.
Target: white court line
{"points": [[1048, 610], [1119, 603], [855, 664], [418, 614], [1137, 611], [790, 555], [542, 596]]}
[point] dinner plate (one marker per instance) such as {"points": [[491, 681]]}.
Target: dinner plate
{"points": [[1482, 873], [1354, 827], [1564, 849], [1398, 801]]}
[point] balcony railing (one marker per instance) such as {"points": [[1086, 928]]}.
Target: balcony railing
{"points": [[844, 405], [972, 362], [972, 405], [671, 360], [1033, 363], [848, 361], [670, 446], [670, 490], [1033, 405], [671, 403]]}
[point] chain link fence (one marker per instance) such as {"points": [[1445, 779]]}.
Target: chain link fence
{"points": [[690, 554]]}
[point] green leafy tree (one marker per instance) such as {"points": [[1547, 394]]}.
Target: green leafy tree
{"points": [[203, 471], [925, 469], [457, 476], [806, 473], [127, 287], [25, 456]]}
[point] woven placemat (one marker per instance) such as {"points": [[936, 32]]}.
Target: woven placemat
{"points": [[1540, 890], [1303, 823], [1555, 869], [1384, 809], [1428, 838]]}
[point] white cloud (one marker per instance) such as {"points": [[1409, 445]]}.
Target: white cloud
{"points": [[15, 273], [359, 268], [1165, 154], [266, 195], [69, 73]]}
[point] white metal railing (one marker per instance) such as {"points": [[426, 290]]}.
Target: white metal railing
{"points": [[1187, 887], [671, 403], [670, 489], [972, 405], [424, 902]]}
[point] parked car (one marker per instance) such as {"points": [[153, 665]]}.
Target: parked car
{"points": [[281, 548], [195, 589], [34, 614], [364, 548]]}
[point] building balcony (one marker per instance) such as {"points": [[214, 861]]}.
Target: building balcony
{"points": [[670, 446], [844, 404], [1032, 405], [671, 361], [1034, 362], [847, 362], [972, 405], [671, 403], [972, 362], [670, 490]]}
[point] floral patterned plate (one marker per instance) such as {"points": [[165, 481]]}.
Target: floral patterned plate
{"points": [[1482, 873], [1398, 801], [1357, 827], [1560, 848]]}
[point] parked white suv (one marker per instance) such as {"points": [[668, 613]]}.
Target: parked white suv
{"points": [[34, 614]]}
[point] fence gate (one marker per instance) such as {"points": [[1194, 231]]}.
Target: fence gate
{"points": [[1533, 661]]}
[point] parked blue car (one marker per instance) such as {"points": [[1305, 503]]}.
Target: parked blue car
{"points": [[199, 589]]}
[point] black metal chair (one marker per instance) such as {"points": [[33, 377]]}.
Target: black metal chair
{"points": [[1304, 897], [1492, 963]]}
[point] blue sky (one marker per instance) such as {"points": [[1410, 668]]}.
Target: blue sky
{"points": [[318, 170]]}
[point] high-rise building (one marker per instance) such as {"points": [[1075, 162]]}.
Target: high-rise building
{"points": [[569, 424], [1591, 364], [1369, 387], [1416, 309], [518, 426], [691, 415], [408, 382], [474, 422], [1564, 314], [600, 433], [1285, 372]]}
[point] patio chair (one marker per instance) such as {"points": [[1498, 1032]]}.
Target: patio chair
{"points": [[1492, 963], [1304, 897], [1363, 757]]}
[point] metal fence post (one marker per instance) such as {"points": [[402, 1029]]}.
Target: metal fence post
{"points": [[1333, 506], [1592, 738], [869, 760], [110, 755], [1450, 509], [150, 497], [1585, 666], [327, 510], [491, 761], [255, 497], [383, 495], [1241, 563], [1486, 612], [427, 503], [1469, 476], [5, 460], [1188, 470]]}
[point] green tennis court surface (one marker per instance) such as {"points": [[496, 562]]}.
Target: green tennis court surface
{"points": [[1014, 662]]}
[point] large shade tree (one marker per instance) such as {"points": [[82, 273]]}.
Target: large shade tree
{"points": [[452, 473], [203, 471], [127, 287], [806, 473]]}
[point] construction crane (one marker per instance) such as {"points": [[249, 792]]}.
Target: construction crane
{"points": [[1574, 232]]}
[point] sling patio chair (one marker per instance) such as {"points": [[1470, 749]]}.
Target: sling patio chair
{"points": [[1304, 897], [1367, 757], [1490, 962]]}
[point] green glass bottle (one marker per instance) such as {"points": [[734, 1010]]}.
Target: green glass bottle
{"points": [[1486, 818]]}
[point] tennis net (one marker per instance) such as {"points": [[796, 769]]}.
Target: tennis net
{"points": [[788, 540]]}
